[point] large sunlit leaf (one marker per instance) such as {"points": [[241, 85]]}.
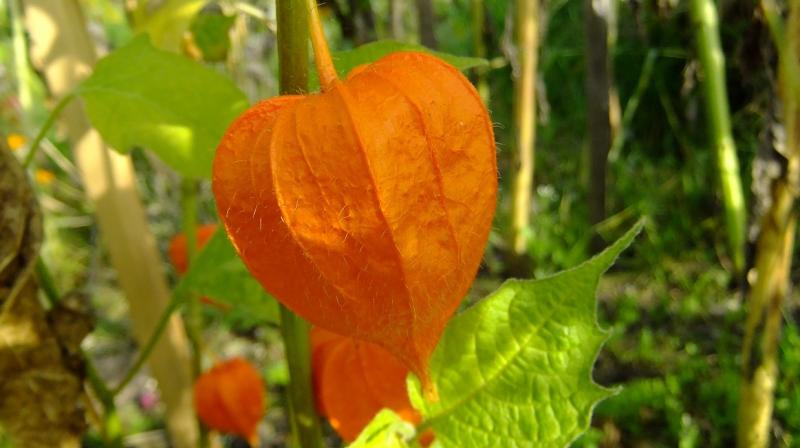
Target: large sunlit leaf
{"points": [[386, 430], [516, 369], [219, 274], [176, 107]]}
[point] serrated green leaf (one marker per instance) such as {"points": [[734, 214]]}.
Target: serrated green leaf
{"points": [[515, 369], [345, 61], [218, 273], [386, 430], [178, 108]]}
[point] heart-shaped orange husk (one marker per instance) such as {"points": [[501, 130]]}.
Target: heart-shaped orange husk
{"points": [[365, 208]]}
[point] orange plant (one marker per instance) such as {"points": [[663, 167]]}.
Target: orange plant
{"points": [[230, 398], [353, 380], [365, 208], [178, 253], [178, 256]]}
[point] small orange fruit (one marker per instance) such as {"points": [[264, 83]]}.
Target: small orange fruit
{"points": [[230, 398]]}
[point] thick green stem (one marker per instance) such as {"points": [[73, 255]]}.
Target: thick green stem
{"points": [[773, 250], [112, 427], [293, 35], [292, 21], [705, 21], [304, 420]]}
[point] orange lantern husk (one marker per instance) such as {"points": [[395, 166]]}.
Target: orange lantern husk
{"points": [[365, 208], [178, 247], [230, 398], [353, 380], [179, 257]]}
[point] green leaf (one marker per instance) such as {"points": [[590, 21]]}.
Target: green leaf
{"points": [[345, 61], [218, 273], [386, 430], [178, 108], [516, 369]]}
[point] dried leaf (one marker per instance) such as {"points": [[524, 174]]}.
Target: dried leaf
{"points": [[40, 389]]}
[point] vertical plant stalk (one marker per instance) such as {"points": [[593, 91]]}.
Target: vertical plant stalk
{"points": [[597, 14], [527, 27], [60, 41], [397, 10], [21, 69], [706, 28], [293, 27], [194, 315], [773, 250], [479, 47], [426, 23]]}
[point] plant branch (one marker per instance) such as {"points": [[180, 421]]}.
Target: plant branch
{"points": [[51, 120], [706, 23], [293, 63], [144, 353], [194, 316]]}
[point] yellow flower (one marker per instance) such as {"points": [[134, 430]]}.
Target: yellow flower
{"points": [[15, 141], [44, 177]]}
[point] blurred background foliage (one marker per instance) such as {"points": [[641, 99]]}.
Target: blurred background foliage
{"points": [[674, 310]]}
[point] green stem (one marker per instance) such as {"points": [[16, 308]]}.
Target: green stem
{"points": [[144, 353], [304, 420], [705, 21], [23, 72], [293, 35], [51, 119], [292, 21], [479, 46], [112, 428], [194, 316], [633, 104]]}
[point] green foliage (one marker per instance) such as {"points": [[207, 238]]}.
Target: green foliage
{"points": [[350, 59], [386, 430], [168, 23], [530, 345], [176, 107], [345, 61], [787, 395], [211, 32], [218, 273]]}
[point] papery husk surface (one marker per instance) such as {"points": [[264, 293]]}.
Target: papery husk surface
{"points": [[365, 209]]}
